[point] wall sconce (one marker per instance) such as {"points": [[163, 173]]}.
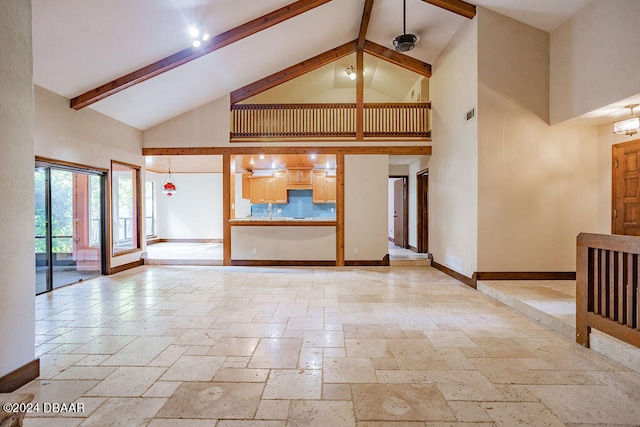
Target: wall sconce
{"points": [[628, 126]]}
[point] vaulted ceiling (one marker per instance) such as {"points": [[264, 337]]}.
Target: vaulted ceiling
{"points": [[82, 45]]}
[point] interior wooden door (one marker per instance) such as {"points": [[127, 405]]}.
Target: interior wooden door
{"points": [[398, 213], [626, 189]]}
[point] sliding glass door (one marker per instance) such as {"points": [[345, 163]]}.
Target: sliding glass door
{"points": [[69, 225]]}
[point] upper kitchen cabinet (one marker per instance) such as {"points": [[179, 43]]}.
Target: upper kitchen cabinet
{"points": [[299, 179], [268, 189]]}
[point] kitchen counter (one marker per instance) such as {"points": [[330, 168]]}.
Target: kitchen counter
{"points": [[280, 221]]}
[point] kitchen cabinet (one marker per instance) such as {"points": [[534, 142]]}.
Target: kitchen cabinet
{"points": [[324, 188], [299, 179], [269, 189]]}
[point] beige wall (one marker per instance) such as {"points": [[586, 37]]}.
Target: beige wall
{"points": [[285, 243], [17, 259], [206, 126], [537, 184], [453, 168], [85, 137], [594, 58], [365, 207]]}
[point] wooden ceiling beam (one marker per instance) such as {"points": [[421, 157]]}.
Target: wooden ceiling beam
{"points": [[189, 54], [292, 72], [398, 59], [364, 23], [459, 7]]}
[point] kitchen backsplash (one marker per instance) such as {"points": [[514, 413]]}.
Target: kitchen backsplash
{"points": [[300, 206]]}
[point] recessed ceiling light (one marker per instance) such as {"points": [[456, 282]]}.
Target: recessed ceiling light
{"points": [[261, 156], [251, 161], [194, 32], [196, 43], [313, 157], [205, 37]]}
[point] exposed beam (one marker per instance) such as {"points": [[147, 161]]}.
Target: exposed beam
{"points": [[354, 149], [459, 7], [364, 24], [292, 72], [398, 59], [359, 95], [189, 54]]}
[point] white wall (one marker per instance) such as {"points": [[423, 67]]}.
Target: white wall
{"points": [[537, 184], [17, 259], [195, 211], [365, 211], [243, 206], [85, 137], [453, 168], [594, 58]]}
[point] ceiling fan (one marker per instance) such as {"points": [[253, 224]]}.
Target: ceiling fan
{"points": [[404, 42]]}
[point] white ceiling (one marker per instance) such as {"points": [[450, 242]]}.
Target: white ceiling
{"points": [[80, 45]]}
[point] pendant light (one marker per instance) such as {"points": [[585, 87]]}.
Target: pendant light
{"points": [[169, 188], [404, 42]]}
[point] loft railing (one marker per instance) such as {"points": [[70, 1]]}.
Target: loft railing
{"points": [[251, 121], [607, 274]]}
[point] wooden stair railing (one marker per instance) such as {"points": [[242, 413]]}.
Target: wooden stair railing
{"points": [[607, 292], [388, 120]]}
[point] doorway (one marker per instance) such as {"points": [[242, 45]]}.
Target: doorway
{"points": [[399, 211], [70, 228], [625, 214], [422, 205]]}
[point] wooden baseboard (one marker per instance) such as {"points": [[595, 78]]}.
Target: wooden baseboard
{"points": [[123, 267], [163, 240], [21, 376], [280, 263], [384, 262], [525, 275], [460, 277]]}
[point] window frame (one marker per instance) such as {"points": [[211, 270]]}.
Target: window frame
{"points": [[136, 215]]}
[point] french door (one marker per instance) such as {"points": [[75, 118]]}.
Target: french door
{"points": [[69, 225]]}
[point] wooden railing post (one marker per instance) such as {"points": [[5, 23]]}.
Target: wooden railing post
{"points": [[582, 293]]}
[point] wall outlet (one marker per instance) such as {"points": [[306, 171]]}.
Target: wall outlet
{"points": [[255, 251], [355, 250], [279, 210]]}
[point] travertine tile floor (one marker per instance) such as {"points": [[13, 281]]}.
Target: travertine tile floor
{"points": [[382, 346]]}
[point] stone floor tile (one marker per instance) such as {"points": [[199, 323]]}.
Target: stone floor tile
{"points": [[581, 404], [326, 338], [471, 412], [293, 384], [521, 414], [273, 410], [336, 391], [251, 423], [120, 412], [234, 347], [127, 382], [310, 358], [400, 402], [162, 389], [194, 368], [240, 375], [160, 422], [214, 400], [314, 413], [349, 370], [276, 353]]}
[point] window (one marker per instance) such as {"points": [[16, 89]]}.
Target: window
{"points": [[150, 208], [125, 202]]}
